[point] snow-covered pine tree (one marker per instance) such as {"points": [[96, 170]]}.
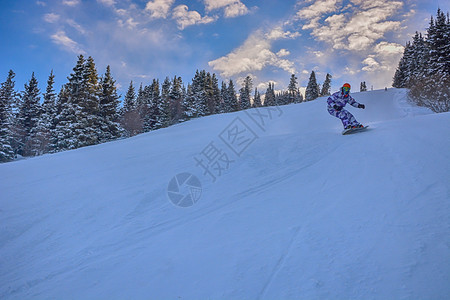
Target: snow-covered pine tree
{"points": [[230, 101], [109, 108], [89, 116], [199, 93], [438, 83], [215, 95], [7, 97], [164, 117], [175, 97], [41, 135], [312, 89], [257, 99], [223, 96], [130, 118], [269, 99], [326, 88], [292, 90], [68, 127], [28, 115], [363, 86], [189, 108], [244, 93], [154, 104], [401, 74], [425, 66]]}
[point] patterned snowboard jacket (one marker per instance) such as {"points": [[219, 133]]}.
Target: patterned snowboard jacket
{"points": [[339, 100]]}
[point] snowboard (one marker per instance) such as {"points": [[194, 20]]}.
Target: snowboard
{"points": [[353, 130]]}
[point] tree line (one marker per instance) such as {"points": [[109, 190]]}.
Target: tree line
{"points": [[425, 65], [88, 111]]}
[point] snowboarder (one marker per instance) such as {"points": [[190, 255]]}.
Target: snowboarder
{"points": [[336, 103]]}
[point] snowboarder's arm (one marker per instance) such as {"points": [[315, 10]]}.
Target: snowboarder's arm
{"points": [[331, 100], [352, 101]]}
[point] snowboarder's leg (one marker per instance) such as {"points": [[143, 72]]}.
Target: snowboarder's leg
{"points": [[349, 117], [345, 116]]}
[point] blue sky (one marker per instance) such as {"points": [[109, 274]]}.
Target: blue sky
{"points": [[354, 41]]}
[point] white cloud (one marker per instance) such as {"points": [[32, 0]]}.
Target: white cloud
{"points": [[185, 18], [77, 26], [159, 8], [278, 33], [62, 39], [41, 3], [51, 18], [232, 8], [107, 2], [353, 28], [71, 2], [235, 10], [371, 64], [385, 48], [253, 55], [385, 57], [283, 52], [318, 8]]}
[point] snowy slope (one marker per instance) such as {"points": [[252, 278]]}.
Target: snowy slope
{"points": [[303, 212]]}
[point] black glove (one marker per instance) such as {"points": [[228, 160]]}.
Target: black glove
{"points": [[337, 107], [361, 106]]}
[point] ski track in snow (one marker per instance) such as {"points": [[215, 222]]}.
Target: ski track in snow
{"points": [[303, 213]]}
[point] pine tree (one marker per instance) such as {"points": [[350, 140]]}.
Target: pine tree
{"points": [[363, 87], [312, 89], [216, 95], [164, 117], [293, 90], [7, 97], [65, 121], [401, 74], [109, 108], [130, 118], [269, 99], [189, 109], [326, 88], [425, 66], [129, 102], [257, 99], [200, 94], [231, 103], [155, 100], [89, 131], [28, 116], [175, 98], [244, 93], [42, 134], [69, 126]]}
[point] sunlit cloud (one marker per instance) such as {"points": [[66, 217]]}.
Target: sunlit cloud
{"points": [[107, 2], [71, 2], [254, 55], [185, 18], [76, 26], [159, 8], [355, 27], [278, 33], [51, 18], [60, 38], [232, 8]]}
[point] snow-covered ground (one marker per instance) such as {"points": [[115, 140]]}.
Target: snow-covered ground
{"points": [[297, 210]]}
